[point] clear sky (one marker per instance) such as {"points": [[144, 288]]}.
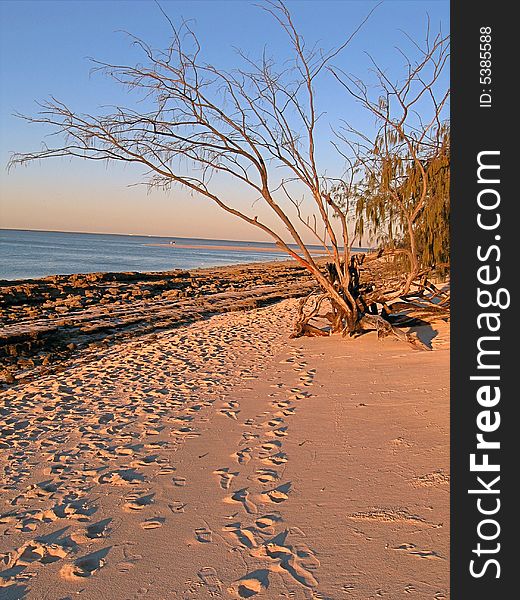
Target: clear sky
{"points": [[44, 50]]}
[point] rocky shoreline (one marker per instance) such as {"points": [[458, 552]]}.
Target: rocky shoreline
{"points": [[46, 322]]}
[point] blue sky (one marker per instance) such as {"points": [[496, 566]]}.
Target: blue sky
{"points": [[44, 50]]}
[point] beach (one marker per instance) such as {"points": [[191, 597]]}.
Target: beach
{"points": [[215, 457]]}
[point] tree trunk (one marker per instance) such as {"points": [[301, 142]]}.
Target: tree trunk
{"points": [[414, 261]]}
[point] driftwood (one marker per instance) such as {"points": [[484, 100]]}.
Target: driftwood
{"points": [[376, 304], [302, 327], [384, 329]]}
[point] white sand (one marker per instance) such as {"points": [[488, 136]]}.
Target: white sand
{"points": [[225, 460]]}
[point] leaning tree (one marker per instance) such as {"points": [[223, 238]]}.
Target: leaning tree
{"points": [[256, 125]]}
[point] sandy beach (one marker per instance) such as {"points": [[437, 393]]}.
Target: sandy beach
{"points": [[222, 460]]}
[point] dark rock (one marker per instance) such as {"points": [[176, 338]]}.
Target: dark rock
{"points": [[7, 377]]}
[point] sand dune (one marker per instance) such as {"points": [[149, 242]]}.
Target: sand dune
{"points": [[223, 460]]}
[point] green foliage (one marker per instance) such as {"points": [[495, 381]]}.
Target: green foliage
{"points": [[406, 184], [432, 228]]}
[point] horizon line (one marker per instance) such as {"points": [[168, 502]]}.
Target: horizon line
{"points": [[154, 235], [149, 235]]}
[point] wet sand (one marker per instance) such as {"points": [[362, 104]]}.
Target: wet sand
{"points": [[223, 460]]}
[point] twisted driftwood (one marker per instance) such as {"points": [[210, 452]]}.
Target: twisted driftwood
{"points": [[367, 297]]}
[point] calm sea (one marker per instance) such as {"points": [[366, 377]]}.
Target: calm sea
{"points": [[29, 254]]}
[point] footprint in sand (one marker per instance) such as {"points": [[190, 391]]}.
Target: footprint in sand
{"points": [[287, 561], [270, 446], [210, 579], [122, 477], [136, 502], [392, 516], [306, 556], [273, 422], [85, 566], [267, 523], [437, 478], [147, 460], [242, 456], [243, 535], [185, 432], [281, 403], [230, 409], [242, 496], [404, 546], [93, 532], [270, 453], [286, 361], [307, 377], [401, 442], [278, 494], [31, 552], [277, 459], [125, 450], [266, 475], [226, 477], [166, 470], [177, 506], [154, 430], [77, 509], [204, 535], [286, 412], [130, 558], [153, 523], [232, 414], [426, 554], [348, 588], [280, 432], [251, 584], [298, 394]]}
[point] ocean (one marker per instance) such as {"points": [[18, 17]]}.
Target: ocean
{"points": [[31, 254]]}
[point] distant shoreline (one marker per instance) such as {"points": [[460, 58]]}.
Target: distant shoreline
{"points": [[143, 235], [268, 243], [258, 243], [232, 248], [30, 254]]}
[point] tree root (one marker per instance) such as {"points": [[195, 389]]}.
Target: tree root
{"points": [[302, 330], [303, 327], [384, 329]]}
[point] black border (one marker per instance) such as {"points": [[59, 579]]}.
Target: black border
{"points": [[475, 129]]}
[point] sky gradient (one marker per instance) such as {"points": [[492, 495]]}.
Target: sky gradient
{"points": [[44, 50]]}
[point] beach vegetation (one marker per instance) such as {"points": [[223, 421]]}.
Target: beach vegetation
{"points": [[257, 126]]}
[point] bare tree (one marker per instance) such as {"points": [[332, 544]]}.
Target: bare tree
{"points": [[256, 125], [406, 164]]}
